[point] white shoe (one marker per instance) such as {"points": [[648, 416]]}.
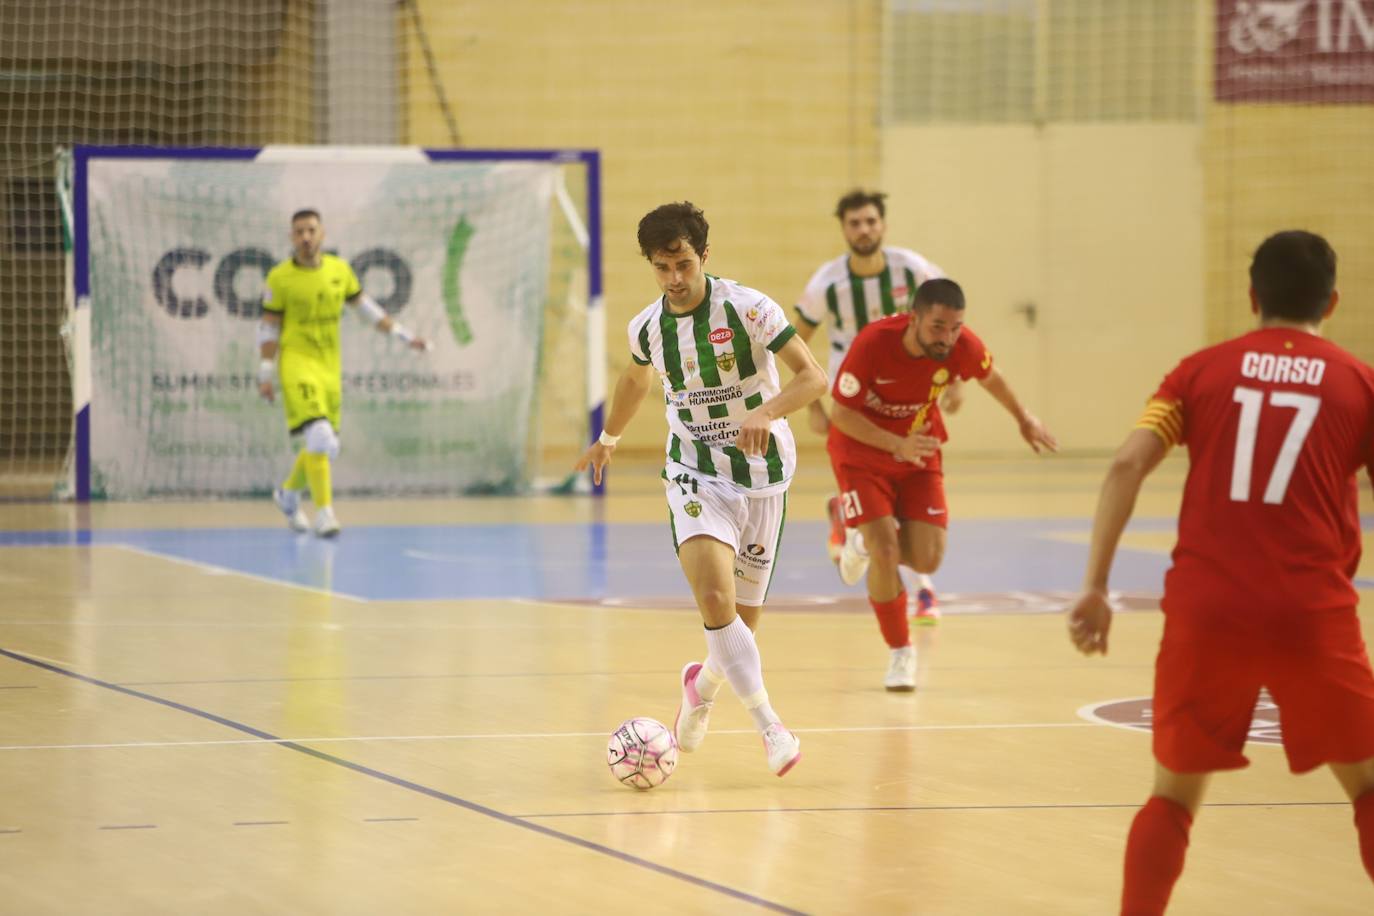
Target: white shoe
{"points": [[853, 558], [289, 502], [326, 525], [692, 716], [783, 747], [901, 670]]}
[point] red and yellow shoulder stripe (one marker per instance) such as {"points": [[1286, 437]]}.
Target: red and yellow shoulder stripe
{"points": [[1164, 419]]}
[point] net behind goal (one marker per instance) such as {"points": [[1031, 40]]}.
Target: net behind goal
{"points": [[484, 254]]}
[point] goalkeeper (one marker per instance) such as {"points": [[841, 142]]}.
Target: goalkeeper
{"points": [[301, 308]]}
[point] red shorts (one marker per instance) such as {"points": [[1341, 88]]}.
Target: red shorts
{"points": [[867, 495], [1316, 671]]}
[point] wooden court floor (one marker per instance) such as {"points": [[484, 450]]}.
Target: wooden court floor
{"points": [[196, 716]]}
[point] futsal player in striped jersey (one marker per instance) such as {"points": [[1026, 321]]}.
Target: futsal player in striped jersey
{"points": [[712, 345], [870, 282]]}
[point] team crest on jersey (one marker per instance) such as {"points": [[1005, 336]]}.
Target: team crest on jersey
{"points": [[726, 360], [941, 376], [689, 365], [692, 508]]}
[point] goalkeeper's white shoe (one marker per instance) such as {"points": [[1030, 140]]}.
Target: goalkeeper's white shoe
{"points": [[326, 525], [289, 502]]}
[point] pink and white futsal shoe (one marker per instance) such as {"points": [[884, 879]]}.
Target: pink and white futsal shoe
{"points": [[690, 725], [783, 747]]}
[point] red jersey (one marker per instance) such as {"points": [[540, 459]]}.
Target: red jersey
{"points": [[1277, 423], [898, 391]]}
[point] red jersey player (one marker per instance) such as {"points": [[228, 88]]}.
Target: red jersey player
{"points": [[884, 444], [1277, 423]]}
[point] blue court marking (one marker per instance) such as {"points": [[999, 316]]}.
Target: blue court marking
{"points": [[402, 783], [587, 561]]}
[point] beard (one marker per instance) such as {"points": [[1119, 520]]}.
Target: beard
{"points": [[938, 353], [864, 249]]}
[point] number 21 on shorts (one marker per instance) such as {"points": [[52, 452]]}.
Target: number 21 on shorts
{"points": [[1251, 402], [852, 507]]}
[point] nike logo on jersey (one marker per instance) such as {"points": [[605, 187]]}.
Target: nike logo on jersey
{"points": [[884, 381], [930, 511]]}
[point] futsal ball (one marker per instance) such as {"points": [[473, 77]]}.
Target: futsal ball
{"points": [[642, 752]]}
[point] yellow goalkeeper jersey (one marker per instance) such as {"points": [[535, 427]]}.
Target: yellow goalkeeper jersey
{"points": [[310, 301]]}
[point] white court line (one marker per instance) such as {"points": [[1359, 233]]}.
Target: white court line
{"points": [[532, 735], [211, 569]]}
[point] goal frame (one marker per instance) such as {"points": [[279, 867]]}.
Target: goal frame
{"points": [[79, 282]]}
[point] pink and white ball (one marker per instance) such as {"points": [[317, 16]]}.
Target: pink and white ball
{"points": [[642, 752]]}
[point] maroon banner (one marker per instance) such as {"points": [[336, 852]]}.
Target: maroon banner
{"points": [[1295, 51]]}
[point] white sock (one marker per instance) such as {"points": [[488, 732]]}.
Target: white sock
{"points": [[734, 649], [925, 582], [760, 710], [709, 680]]}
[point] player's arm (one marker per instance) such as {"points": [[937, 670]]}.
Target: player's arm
{"points": [[809, 309], [815, 412], [805, 329], [269, 337], [633, 384], [1032, 430], [913, 447], [376, 316], [807, 383], [1090, 617]]}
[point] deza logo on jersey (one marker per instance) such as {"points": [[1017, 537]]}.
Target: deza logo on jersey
{"points": [[721, 336], [1265, 26], [179, 296]]}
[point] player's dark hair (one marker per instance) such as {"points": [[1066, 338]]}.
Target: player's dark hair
{"points": [[861, 198], [664, 227], [941, 291], [302, 214], [1293, 274]]}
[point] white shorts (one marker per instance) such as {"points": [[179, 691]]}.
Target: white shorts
{"points": [[699, 505]]}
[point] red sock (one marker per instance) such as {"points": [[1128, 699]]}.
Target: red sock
{"points": [[1154, 856], [892, 620], [1364, 823]]}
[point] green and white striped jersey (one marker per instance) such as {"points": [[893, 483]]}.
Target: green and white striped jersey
{"points": [[716, 363], [851, 302]]}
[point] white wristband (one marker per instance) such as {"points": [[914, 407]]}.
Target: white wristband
{"points": [[399, 332], [267, 369], [370, 311], [607, 439]]}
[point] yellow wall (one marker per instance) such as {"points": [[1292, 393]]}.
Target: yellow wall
{"points": [[1132, 238], [1098, 225], [1273, 167], [761, 113]]}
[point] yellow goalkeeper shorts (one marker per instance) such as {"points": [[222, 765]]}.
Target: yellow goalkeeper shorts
{"points": [[310, 393]]}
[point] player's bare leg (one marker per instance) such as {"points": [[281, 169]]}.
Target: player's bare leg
{"points": [[1357, 779], [709, 565], [1158, 840], [923, 550], [887, 597]]}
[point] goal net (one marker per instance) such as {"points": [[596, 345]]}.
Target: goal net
{"points": [[482, 254]]}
